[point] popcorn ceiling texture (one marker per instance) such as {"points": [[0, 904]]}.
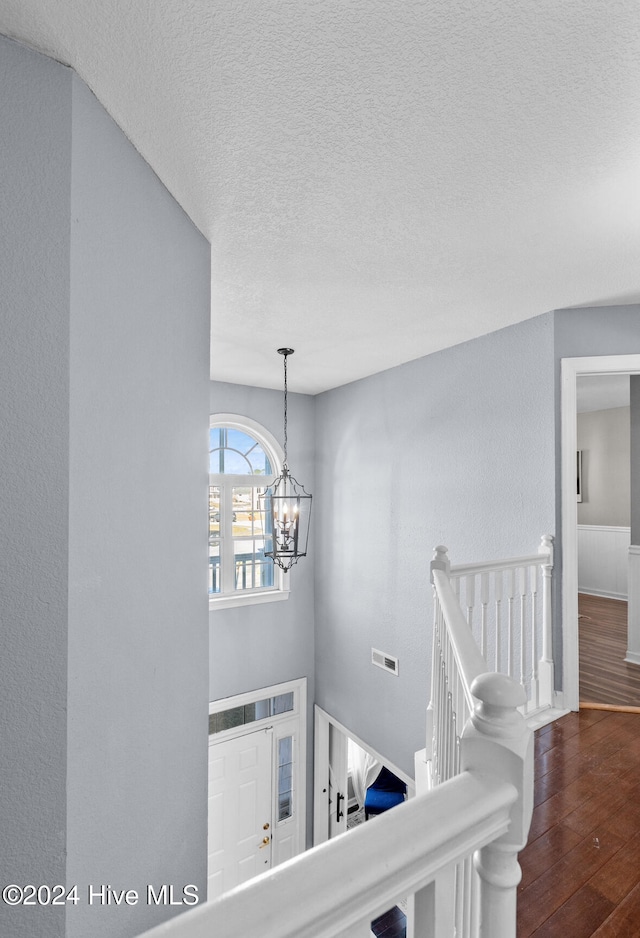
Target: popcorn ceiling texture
{"points": [[378, 180]]}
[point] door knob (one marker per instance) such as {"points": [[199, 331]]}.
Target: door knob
{"points": [[265, 842]]}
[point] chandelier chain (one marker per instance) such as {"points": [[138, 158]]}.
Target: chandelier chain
{"points": [[285, 409]]}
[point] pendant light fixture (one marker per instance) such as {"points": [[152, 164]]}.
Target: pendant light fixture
{"points": [[287, 506]]}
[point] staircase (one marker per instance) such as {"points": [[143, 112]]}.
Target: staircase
{"points": [[452, 850]]}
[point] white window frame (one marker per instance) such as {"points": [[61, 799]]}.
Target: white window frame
{"points": [[281, 588]]}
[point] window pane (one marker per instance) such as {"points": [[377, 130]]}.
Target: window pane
{"points": [[214, 512], [236, 452], [285, 777], [252, 569], [282, 704], [215, 584], [226, 720], [284, 806]]}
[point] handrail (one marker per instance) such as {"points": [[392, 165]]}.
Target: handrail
{"points": [[464, 569], [545, 549], [332, 888], [469, 659]]}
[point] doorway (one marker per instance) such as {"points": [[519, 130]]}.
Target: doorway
{"points": [[337, 794], [257, 783], [572, 370], [333, 790]]}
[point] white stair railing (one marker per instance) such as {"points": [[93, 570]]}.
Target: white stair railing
{"points": [[507, 604], [451, 850], [336, 889], [468, 704]]}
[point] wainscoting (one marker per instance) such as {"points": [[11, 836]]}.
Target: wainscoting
{"points": [[603, 560]]}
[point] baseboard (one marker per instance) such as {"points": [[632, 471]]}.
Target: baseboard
{"points": [[544, 717], [632, 657], [605, 595], [615, 708]]}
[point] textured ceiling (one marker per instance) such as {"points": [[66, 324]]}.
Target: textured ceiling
{"points": [[378, 178]]}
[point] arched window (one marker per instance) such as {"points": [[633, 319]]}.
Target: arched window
{"points": [[243, 459]]}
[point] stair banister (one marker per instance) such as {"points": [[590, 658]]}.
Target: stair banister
{"points": [[336, 889], [497, 740]]}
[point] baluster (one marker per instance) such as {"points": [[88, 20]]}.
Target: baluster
{"points": [[533, 571], [433, 907], [454, 745], [511, 590], [497, 741], [459, 897], [522, 589], [440, 722], [470, 597], [449, 734], [484, 600], [432, 707], [497, 585]]}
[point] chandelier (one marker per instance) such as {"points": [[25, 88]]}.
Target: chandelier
{"points": [[287, 506]]}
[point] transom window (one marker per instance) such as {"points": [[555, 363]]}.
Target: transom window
{"points": [[243, 459]]}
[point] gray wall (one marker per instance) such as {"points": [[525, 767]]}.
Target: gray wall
{"points": [[454, 449], [634, 388], [35, 152], [256, 646], [603, 437], [105, 391], [276, 640], [138, 643]]}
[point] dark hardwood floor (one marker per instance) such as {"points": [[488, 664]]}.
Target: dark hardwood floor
{"points": [[605, 677], [581, 866]]}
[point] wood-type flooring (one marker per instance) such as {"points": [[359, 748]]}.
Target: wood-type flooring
{"points": [[581, 866], [605, 677]]}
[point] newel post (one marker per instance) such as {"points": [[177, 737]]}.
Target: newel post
{"points": [[440, 560], [545, 665], [497, 741]]}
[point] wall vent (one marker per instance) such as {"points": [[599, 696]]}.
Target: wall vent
{"points": [[384, 661]]}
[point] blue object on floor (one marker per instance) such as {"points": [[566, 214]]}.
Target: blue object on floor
{"points": [[386, 792], [393, 924]]}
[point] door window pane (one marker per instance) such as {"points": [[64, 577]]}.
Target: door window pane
{"points": [[285, 777]]}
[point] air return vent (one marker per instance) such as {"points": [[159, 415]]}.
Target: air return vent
{"points": [[384, 661]]}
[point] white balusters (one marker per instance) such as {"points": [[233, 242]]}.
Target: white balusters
{"points": [[498, 589], [507, 604]]}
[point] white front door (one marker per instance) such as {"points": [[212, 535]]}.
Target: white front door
{"points": [[240, 799]]}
